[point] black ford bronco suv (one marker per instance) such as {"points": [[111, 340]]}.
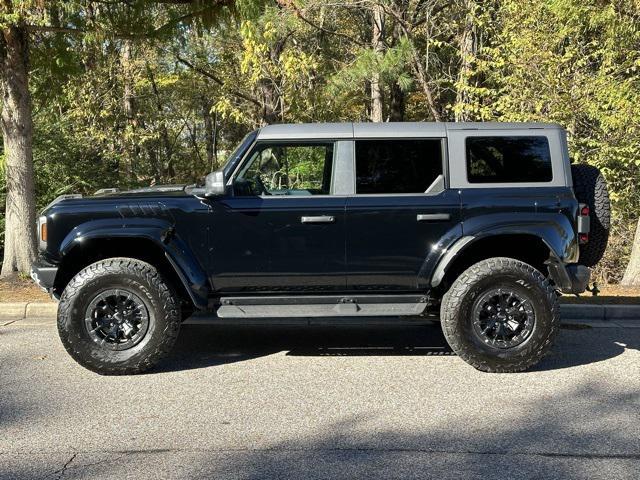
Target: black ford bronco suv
{"points": [[479, 226]]}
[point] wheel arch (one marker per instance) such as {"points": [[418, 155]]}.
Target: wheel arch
{"points": [[527, 247], [157, 247]]}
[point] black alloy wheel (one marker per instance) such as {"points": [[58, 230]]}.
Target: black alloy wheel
{"points": [[117, 319], [502, 318]]}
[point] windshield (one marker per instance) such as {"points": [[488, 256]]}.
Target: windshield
{"points": [[238, 152]]}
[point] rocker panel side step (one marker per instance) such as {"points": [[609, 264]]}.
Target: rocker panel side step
{"points": [[321, 306]]}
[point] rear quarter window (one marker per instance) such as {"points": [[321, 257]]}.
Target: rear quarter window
{"points": [[522, 159]]}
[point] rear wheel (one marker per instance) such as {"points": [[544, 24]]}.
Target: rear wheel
{"points": [[118, 316], [500, 315]]}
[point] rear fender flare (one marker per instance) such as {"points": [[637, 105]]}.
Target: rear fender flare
{"points": [[436, 252], [557, 235]]}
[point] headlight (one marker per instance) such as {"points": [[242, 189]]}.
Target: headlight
{"points": [[42, 233]]}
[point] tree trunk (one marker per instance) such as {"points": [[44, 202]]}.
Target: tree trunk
{"points": [[397, 105], [467, 46], [269, 102], [397, 97], [631, 276], [17, 132], [422, 76], [377, 45], [129, 107], [215, 137], [210, 127], [166, 154], [89, 59]]}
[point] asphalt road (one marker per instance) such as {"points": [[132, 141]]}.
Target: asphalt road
{"points": [[320, 402]]}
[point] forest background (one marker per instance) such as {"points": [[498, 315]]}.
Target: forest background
{"points": [[109, 93]]}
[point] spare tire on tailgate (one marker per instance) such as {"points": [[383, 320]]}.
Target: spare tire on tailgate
{"points": [[590, 187]]}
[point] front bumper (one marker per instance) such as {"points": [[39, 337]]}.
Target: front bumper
{"points": [[44, 274], [573, 279]]}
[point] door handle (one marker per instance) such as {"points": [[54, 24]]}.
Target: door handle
{"points": [[318, 219], [430, 217]]}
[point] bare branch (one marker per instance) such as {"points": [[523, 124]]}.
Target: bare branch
{"points": [[288, 4], [218, 80], [52, 29], [135, 36]]}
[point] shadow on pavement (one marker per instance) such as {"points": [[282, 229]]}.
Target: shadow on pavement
{"points": [[581, 425], [548, 438], [537, 442], [201, 346]]}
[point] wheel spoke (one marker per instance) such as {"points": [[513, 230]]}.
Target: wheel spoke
{"points": [[491, 324], [502, 317], [110, 309], [510, 325], [516, 307], [508, 300], [106, 320]]}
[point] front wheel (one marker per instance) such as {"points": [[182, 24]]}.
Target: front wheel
{"points": [[500, 315], [118, 317]]}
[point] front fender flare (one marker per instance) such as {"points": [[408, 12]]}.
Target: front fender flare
{"points": [[160, 233]]}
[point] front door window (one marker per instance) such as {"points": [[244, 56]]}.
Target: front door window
{"points": [[287, 169]]}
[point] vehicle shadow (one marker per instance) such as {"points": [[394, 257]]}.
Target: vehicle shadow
{"points": [[580, 344], [201, 346]]}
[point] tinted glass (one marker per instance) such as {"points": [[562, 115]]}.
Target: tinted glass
{"points": [[397, 166], [508, 159], [287, 169], [242, 147]]}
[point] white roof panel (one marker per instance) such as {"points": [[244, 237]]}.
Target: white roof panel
{"points": [[315, 131]]}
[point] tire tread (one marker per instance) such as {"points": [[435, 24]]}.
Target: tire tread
{"points": [[590, 187], [117, 266], [453, 298]]}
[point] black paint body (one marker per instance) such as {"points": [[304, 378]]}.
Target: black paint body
{"points": [[257, 245]]}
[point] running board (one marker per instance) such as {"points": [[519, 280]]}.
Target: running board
{"points": [[321, 306]]}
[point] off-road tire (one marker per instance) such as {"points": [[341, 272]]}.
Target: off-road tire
{"points": [[457, 322], [590, 187], [134, 275]]}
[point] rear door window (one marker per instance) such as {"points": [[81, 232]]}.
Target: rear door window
{"points": [[521, 159], [397, 166]]}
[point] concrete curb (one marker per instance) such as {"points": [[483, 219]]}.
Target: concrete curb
{"points": [[13, 310], [20, 310], [600, 312]]}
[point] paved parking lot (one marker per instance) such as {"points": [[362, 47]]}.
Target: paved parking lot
{"points": [[321, 402]]}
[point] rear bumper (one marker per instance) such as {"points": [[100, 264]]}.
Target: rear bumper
{"points": [[570, 278], [44, 274]]}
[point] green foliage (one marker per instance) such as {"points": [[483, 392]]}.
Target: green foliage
{"points": [[574, 62], [146, 88], [294, 167], [392, 65]]}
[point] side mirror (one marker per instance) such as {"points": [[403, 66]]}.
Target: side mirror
{"points": [[214, 184]]}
